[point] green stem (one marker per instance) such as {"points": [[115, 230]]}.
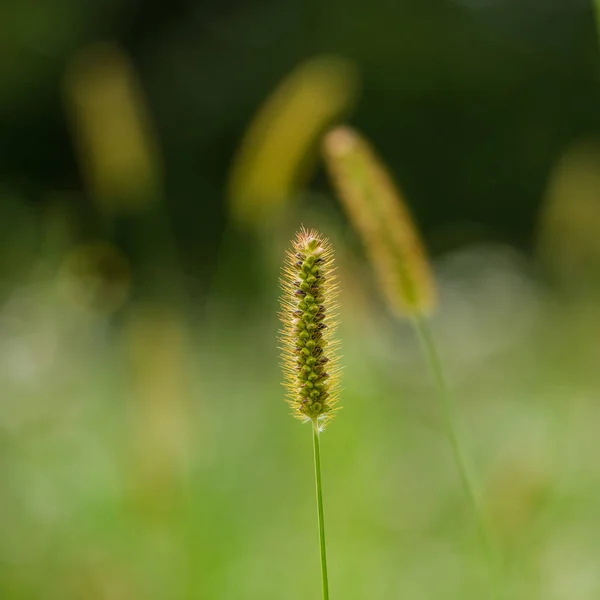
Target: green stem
{"points": [[323, 552], [448, 414]]}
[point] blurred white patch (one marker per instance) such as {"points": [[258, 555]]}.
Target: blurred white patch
{"points": [[46, 350], [489, 302], [27, 346]]}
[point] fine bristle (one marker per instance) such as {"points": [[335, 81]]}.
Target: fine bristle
{"points": [[382, 219], [309, 348]]}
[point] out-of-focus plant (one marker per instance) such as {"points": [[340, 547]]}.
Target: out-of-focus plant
{"points": [[569, 223], [379, 214], [280, 145], [383, 221], [154, 343], [112, 130]]}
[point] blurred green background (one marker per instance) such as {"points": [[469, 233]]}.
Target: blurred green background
{"points": [[155, 160]]}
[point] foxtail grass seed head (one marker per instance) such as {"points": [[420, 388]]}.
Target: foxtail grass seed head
{"points": [[112, 130], [309, 349], [377, 211], [280, 148]]}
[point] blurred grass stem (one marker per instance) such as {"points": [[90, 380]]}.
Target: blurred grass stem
{"points": [[319, 488], [433, 359]]}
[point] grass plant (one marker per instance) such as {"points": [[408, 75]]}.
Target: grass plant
{"points": [[309, 349], [379, 214]]}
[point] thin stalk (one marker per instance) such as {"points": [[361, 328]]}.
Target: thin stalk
{"points": [[448, 414], [319, 487]]}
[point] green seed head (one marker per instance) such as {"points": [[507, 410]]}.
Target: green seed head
{"points": [[309, 350]]}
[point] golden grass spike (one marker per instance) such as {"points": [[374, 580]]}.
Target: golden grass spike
{"points": [[280, 146], [112, 130], [309, 348], [377, 211]]}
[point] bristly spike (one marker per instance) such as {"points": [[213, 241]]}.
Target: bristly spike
{"points": [[378, 212], [309, 321]]}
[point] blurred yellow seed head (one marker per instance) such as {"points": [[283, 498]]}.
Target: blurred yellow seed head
{"points": [[380, 216], [112, 130], [569, 221], [281, 142]]}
